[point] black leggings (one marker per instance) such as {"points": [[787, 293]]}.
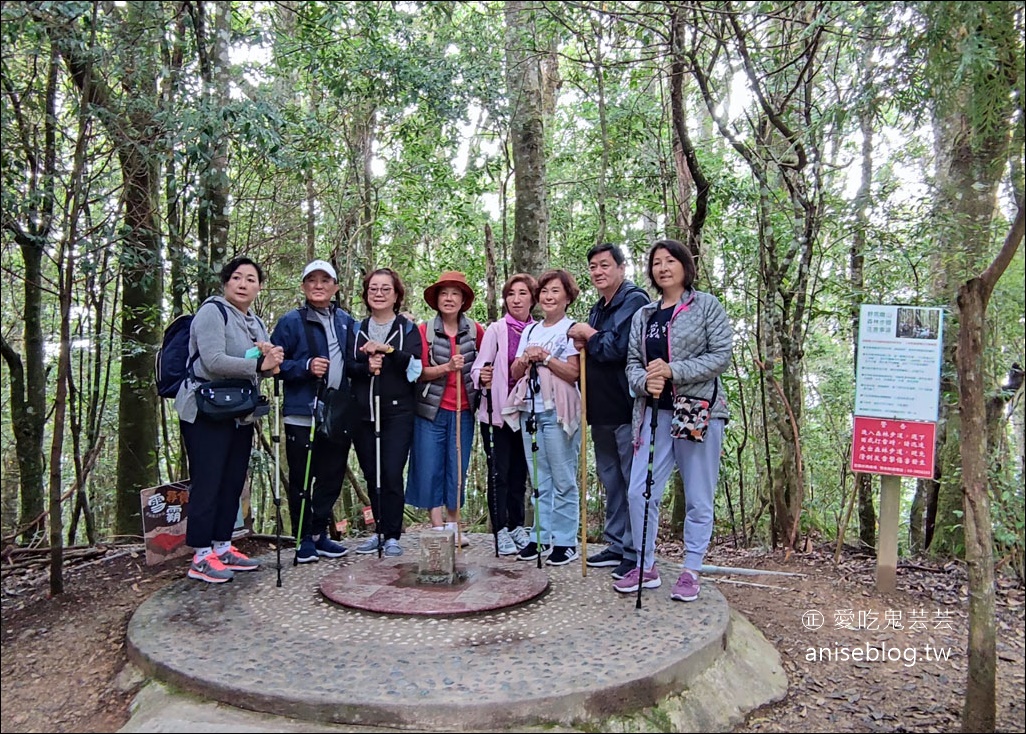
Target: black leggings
{"points": [[396, 439]]}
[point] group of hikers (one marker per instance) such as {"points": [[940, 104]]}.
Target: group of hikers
{"points": [[416, 392]]}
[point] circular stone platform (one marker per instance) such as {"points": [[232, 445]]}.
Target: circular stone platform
{"points": [[575, 655], [390, 586]]}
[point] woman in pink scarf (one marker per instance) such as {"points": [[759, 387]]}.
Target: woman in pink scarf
{"points": [[491, 371]]}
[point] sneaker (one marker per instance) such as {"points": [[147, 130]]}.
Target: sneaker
{"points": [[520, 537], [392, 548], [307, 552], [686, 588], [624, 568], [210, 569], [605, 558], [235, 560], [507, 546], [530, 551], [629, 582], [329, 548], [562, 555], [368, 546], [458, 534]]}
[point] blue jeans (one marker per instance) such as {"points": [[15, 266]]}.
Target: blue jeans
{"points": [[558, 504], [433, 476]]}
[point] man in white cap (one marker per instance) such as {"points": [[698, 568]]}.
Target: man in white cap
{"points": [[313, 337]]}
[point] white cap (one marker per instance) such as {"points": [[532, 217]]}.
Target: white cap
{"points": [[321, 265]]}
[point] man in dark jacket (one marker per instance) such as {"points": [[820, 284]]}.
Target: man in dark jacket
{"points": [[609, 402], [314, 339]]}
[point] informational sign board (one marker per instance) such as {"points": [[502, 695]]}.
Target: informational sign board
{"points": [[899, 448], [165, 510], [899, 362]]}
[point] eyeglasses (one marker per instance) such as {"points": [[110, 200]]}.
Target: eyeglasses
{"points": [[383, 291]]}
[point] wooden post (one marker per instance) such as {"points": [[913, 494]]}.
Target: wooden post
{"points": [[887, 544]]}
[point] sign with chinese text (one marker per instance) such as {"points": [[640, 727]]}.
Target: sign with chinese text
{"points": [[164, 513], [901, 448], [899, 362]]}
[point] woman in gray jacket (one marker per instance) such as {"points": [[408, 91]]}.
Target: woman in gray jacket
{"points": [[228, 340], [679, 345]]}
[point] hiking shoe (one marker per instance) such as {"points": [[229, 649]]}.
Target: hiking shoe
{"points": [[605, 558], [562, 555], [235, 560], [507, 546], [530, 551], [307, 552], [520, 537], [629, 582], [686, 588], [368, 546], [329, 548], [624, 568], [392, 548], [210, 569]]}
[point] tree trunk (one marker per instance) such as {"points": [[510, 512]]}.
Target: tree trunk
{"points": [[970, 153], [979, 713], [856, 263], [492, 288], [134, 131], [525, 84], [27, 372]]}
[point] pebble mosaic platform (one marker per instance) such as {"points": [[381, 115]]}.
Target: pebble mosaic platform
{"points": [[575, 654]]}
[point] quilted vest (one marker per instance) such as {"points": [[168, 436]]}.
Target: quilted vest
{"points": [[438, 347]]}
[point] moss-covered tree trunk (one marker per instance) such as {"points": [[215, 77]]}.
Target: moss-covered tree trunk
{"points": [[525, 83]]}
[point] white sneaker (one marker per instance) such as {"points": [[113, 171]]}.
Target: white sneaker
{"points": [[461, 537], [520, 537], [507, 546]]}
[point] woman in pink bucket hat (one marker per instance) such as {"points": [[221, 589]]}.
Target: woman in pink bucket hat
{"points": [[445, 402]]}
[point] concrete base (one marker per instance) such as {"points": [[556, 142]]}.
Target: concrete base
{"points": [[580, 656]]}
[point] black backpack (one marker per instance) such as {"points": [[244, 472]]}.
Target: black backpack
{"points": [[174, 363]]}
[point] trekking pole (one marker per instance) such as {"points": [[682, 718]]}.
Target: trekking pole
{"points": [[486, 436], [377, 462], [653, 406], [532, 428], [459, 459], [584, 463], [276, 440], [307, 483]]}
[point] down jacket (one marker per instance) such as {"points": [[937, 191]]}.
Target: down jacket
{"points": [[701, 339]]}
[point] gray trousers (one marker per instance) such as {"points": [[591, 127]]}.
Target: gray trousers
{"points": [[699, 465], [613, 456]]}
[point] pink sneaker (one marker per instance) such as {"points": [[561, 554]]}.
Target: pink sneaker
{"points": [[686, 588], [629, 582]]}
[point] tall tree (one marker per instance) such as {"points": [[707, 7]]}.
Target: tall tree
{"points": [[29, 173], [781, 55], [525, 85], [973, 117], [129, 121], [979, 712]]}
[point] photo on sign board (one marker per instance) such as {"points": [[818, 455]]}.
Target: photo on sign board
{"points": [[917, 323]]}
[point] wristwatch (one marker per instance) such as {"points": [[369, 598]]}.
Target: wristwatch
{"points": [[545, 362], [390, 349]]}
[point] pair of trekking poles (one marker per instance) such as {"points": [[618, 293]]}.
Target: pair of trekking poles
{"points": [[307, 489], [532, 428]]}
